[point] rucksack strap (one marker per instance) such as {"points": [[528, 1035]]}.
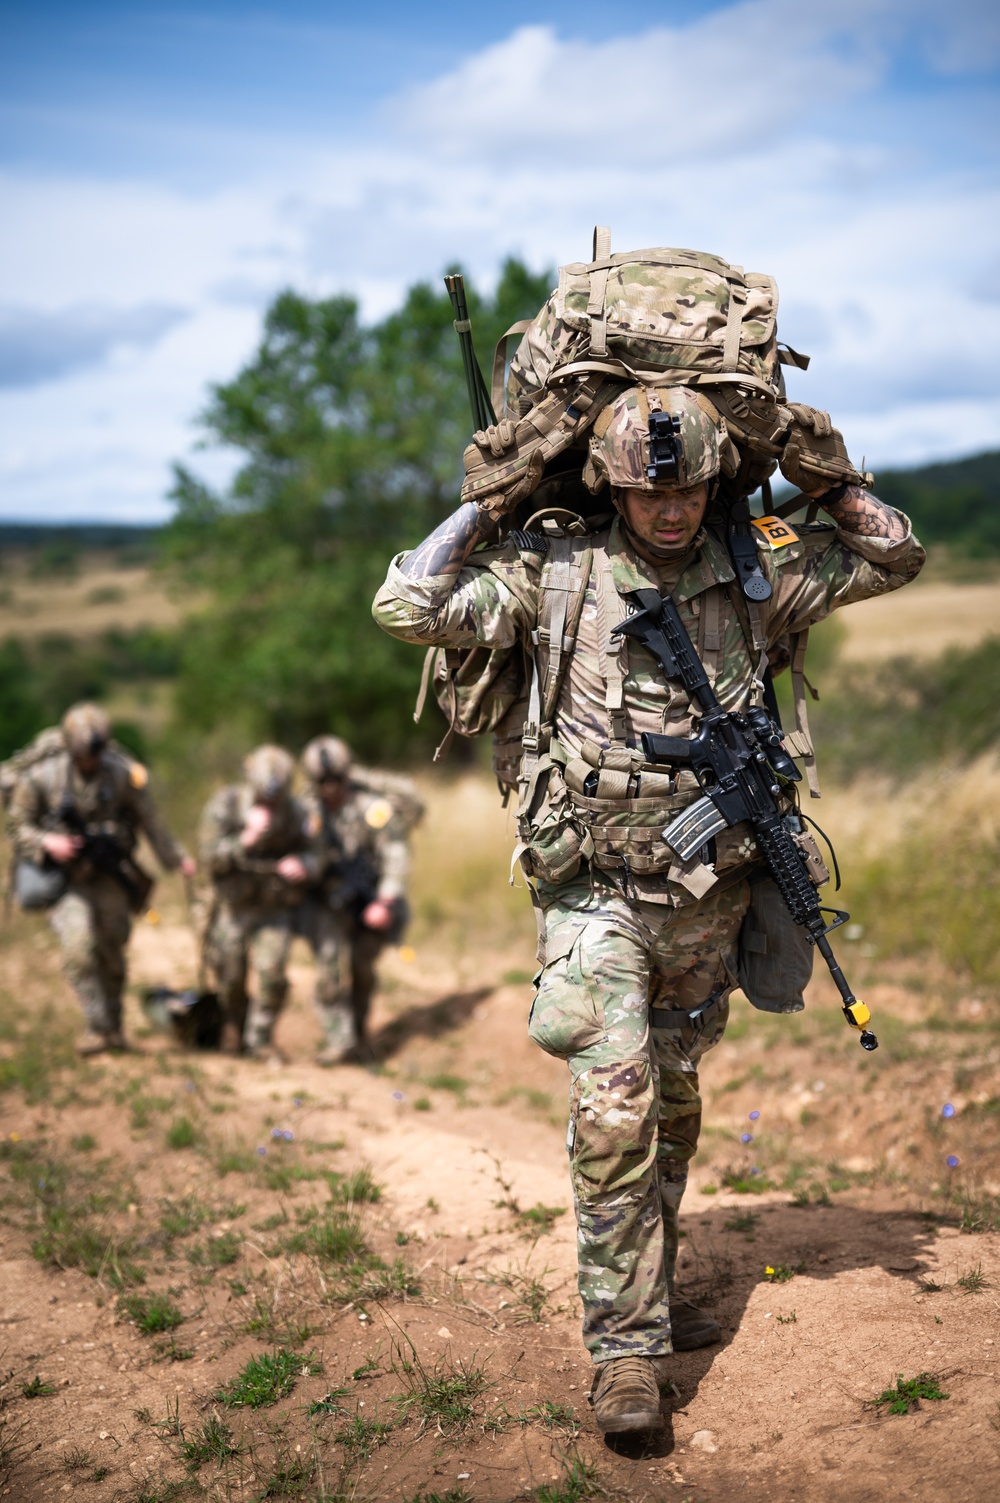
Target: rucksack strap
{"points": [[560, 605], [498, 384], [612, 650], [799, 741]]}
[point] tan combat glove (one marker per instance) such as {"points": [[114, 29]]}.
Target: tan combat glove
{"points": [[815, 457], [504, 463]]}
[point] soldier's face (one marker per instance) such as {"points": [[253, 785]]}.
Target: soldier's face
{"points": [[87, 763], [333, 792], [665, 518]]}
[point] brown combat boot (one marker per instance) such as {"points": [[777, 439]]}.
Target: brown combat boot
{"points": [[625, 1395], [690, 1327], [231, 1038], [92, 1042]]}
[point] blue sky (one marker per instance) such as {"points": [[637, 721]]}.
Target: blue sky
{"points": [[165, 169]]}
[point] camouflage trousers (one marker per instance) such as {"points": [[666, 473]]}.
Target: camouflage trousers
{"points": [[240, 939], [345, 953], [93, 923], [632, 995]]}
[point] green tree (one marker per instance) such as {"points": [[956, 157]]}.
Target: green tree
{"points": [[352, 439]]}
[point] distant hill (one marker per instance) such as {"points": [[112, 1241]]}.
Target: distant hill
{"points": [[957, 503], [81, 536]]}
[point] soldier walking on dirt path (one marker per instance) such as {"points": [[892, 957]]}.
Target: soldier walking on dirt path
{"points": [[359, 906], [77, 807], [639, 951], [261, 849]]}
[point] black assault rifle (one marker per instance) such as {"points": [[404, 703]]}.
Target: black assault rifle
{"points": [[743, 770], [107, 855]]}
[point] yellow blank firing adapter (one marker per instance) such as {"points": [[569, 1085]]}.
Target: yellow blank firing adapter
{"points": [[859, 1016]]}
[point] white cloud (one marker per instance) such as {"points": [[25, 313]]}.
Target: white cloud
{"points": [[744, 132]]}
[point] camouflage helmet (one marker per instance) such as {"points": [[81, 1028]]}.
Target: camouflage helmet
{"points": [[620, 442], [269, 771], [86, 730], [326, 757]]}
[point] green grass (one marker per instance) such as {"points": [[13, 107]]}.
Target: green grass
{"points": [[182, 1133], [980, 1215], [453, 1495], [216, 1252], [361, 1437], [781, 1273], [973, 1282], [539, 1219], [445, 1397], [907, 1393], [38, 1388], [266, 1379], [150, 1313], [329, 1403], [358, 1188], [743, 1182], [43, 1050], [70, 1208], [336, 1237], [530, 1295], [235, 1161], [179, 1218], [214, 1441], [558, 1417], [579, 1481], [446, 1082]]}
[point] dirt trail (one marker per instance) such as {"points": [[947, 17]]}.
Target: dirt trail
{"points": [[462, 1126]]}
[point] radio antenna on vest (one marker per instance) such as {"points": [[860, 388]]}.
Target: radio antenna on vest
{"points": [[483, 415]]}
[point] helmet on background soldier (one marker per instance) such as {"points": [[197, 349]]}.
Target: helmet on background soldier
{"points": [[327, 757], [684, 452], [269, 771], [86, 730]]}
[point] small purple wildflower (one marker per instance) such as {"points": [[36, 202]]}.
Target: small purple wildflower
{"points": [[296, 1100], [947, 1110], [288, 1135], [746, 1137], [262, 1151], [277, 1132], [398, 1096], [953, 1161], [754, 1115]]}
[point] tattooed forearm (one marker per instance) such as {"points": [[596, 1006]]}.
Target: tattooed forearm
{"points": [[859, 511], [449, 545]]}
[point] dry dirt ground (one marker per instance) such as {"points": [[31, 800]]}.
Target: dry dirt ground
{"points": [[384, 1257]]}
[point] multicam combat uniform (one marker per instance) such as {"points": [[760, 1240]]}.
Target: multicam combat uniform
{"points": [[93, 919], [254, 912], [639, 951], [366, 858]]}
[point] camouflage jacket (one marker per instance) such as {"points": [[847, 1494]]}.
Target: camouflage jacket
{"points": [[495, 601], [366, 854], [115, 802], [246, 878]]}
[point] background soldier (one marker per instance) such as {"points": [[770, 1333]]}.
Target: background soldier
{"points": [[256, 843], [640, 951], [80, 809], [360, 906]]}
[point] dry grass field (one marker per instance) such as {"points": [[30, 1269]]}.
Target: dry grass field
{"points": [[234, 1282], [101, 596]]}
